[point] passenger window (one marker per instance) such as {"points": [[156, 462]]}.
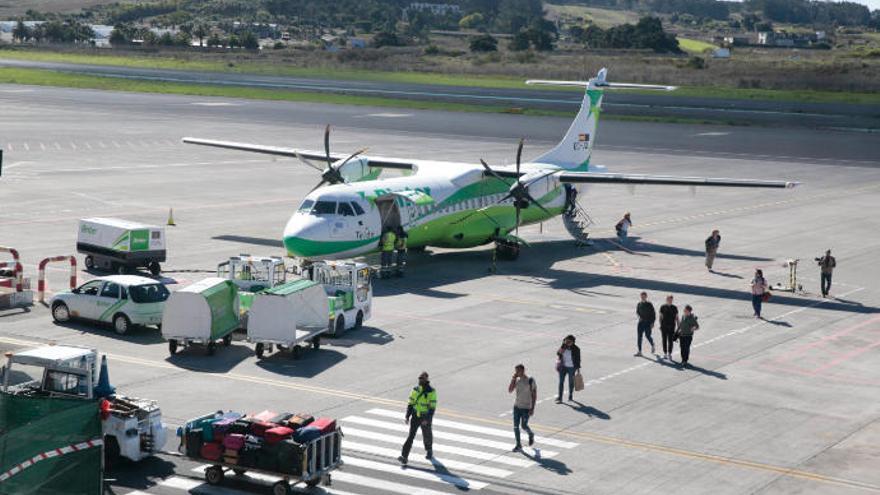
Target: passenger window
{"points": [[345, 210], [110, 290], [358, 209], [324, 208]]}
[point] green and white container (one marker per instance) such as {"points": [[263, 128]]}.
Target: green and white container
{"points": [[204, 313], [287, 315], [120, 245]]}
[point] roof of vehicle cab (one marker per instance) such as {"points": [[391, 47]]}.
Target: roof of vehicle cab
{"points": [[51, 355]]}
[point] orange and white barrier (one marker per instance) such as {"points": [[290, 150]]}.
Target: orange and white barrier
{"points": [[18, 279], [41, 279]]}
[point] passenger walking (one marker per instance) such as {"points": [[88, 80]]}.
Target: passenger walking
{"points": [[622, 227], [712, 243], [523, 404], [686, 328], [647, 316], [568, 363], [668, 324], [419, 414], [759, 292], [826, 264], [387, 247], [400, 247]]}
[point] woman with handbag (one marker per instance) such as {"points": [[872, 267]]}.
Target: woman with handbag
{"points": [[686, 328], [759, 292], [568, 363]]}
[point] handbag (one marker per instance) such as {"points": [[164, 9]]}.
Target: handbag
{"points": [[578, 382], [558, 365], [765, 296]]}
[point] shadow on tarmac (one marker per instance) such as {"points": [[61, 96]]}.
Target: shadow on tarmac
{"points": [[127, 475], [643, 247], [552, 465], [536, 265], [196, 358], [588, 410], [135, 334], [310, 364]]}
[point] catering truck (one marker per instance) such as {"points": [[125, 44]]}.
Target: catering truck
{"points": [[120, 246], [132, 428]]}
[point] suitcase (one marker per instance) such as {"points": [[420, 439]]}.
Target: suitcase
{"points": [[300, 420], [281, 418], [223, 425], [306, 434], [264, 416], [194, 443], [259, 428], [277, 434], [324, 425], [230, 453], [241, 426], [211, 451], [234, 441]]}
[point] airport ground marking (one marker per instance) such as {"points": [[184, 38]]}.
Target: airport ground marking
{"points": [[548, 430]]}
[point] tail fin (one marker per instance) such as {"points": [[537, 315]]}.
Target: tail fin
{"points": [[573, 152]]}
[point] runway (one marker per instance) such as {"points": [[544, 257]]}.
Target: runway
{"points": [[787, 405], [784, 113]]}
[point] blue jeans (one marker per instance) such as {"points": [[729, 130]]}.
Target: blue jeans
{"points": [[521, 417], [757, 301], [826, 283], [563, 371], [644, 328]]}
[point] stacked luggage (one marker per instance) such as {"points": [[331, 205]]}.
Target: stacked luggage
{"points": [[266, 441]]}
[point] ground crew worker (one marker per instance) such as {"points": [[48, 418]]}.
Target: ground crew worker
{"points": [[419, 414], [400, 246], [826, 264], [387, 247]]}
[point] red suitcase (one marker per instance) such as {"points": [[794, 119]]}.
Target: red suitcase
{"points": [[324, 425], [278, 434], [259, 428], [212, 451]]}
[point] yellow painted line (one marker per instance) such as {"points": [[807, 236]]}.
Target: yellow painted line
{"points": [[594, 437]]}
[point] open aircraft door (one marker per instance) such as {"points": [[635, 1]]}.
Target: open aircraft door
{"points": [[401, 208]]}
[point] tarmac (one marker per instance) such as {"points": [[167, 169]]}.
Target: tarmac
{"points": [[786, 405]]}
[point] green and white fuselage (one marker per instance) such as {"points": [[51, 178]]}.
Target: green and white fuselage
{"points": [[452, 204]]}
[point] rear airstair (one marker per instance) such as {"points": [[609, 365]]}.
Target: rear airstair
{"points": [[577, 221]]}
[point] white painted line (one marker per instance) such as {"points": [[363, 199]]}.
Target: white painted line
{"points": [[459, 451], [389, 115], [455, 437], [137, 492], [399, 470], [478, 429], [42, 147], [26, 147], [450, 464], [385, 486], [73, 145], [195, 486]]}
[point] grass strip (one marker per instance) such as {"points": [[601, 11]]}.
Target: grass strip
{"points": [[269, 67]]}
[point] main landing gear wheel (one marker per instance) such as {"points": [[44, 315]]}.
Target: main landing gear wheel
{"points": [[508, 251], [214, 475]]}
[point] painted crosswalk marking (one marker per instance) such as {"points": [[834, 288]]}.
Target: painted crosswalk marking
{"points": [[417, 473], [385, 486], [447, 463], [448, 449], [455, 437], [478, 429]]}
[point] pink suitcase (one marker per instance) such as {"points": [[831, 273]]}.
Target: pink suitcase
{"points": [[278, 434], [233, 441], [324, 425]]}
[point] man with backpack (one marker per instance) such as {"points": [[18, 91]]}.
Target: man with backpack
{"points": [[712, 243], [523, 404]]}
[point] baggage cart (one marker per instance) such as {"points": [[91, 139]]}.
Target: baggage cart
{"points": [[205, 312], [319, 457], [120, 246], [288, 315]]}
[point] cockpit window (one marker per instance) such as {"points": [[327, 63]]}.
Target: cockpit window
{"points": [[324, 208], [358, 209], [306, 206], [345, 210]]}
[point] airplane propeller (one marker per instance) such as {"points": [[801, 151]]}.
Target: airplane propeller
{"points": [[331, 174], [519, 192]]}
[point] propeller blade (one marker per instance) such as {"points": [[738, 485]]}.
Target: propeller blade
{"points": [[516, 229], [302, 159], [518, 157], [491, 172], [356, 153], [327, 146], [316, 187]]}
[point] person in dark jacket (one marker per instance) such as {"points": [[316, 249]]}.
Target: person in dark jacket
{"points": [[686, 328], [568, 364], [647, 316], [712, 243], [668, 323]]}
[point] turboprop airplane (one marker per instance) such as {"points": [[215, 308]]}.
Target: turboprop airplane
{"points": [[452, 204]]}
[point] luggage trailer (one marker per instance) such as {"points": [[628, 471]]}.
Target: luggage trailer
{"points": [[322, 456]]}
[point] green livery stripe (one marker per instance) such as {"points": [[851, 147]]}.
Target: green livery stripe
{"points": [[122, 240], [309, 248], [105, 316]]}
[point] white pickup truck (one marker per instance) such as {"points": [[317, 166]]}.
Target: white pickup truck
{"points": [[132, 427]]}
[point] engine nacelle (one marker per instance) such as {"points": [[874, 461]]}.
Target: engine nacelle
{"points": [[358, 169], [539, 184]]}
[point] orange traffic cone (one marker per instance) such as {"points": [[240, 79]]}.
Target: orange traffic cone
{"points": [[171, 217]]}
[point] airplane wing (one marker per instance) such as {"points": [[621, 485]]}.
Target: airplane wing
{"points": [[374, 161], [666, 180]]}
